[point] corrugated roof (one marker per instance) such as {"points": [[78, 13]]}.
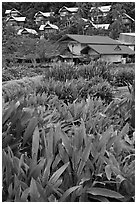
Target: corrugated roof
{"points": [[45, 14], [105, 26], [111, 49], [48, 25], [19, 19], [86, 39], [32, 31], [102, 8], [130, 34], [8, 11], [128, 17], [72, 9]]}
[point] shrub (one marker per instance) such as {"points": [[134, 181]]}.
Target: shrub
{"points": [[124, 77]]}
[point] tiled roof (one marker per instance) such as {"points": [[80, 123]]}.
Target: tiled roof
{"points": [[111, 49], [86, 39]]}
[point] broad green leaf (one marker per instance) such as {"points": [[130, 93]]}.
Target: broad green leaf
{"points": [[108, 171], [29, 130], [25, 194], [63, 154], [65, 140], [8, 112], [34, 191], [111, 142], [58, 183], [36, 171], [84, 158], [105, 137], [47, 172], [99, 198], [27, 114], [35, 142], [113, 160], [50, 140], [104, 192], [56, 161], [124, 130], [42, 192], [68, 192], [83, 132], [58, 173]]}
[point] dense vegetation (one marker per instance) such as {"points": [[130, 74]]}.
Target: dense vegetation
{"points": [[66, 136], [68, 132]]}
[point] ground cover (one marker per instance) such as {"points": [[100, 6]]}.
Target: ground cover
{"points": [[68, 139]]}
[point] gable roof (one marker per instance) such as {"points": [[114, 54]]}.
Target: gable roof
{"points": [[71, 10], [104, 26], [102, 8], [87, 39], [45, 14], [19, 19], [111, 49], [31, 31], [48, 25], [127, 38], [124, 14], [13, 10]]}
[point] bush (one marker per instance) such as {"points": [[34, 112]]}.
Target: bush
{"points": [[123, 77]]}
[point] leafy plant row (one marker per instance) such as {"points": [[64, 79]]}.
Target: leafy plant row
{"points": [[120, 77], [67, 91], [82, 151], [117, 75]]}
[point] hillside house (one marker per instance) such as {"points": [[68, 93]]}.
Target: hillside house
{"points": [[127, 39], [78, 43], [27, 32], [109, 53], [17, 22], [12, 12], [65, 11], [42, 17], [127, 21], [47, 29], [98, 13], [102, 26]]}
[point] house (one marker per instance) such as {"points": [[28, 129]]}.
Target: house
{"points": [[127, 39], [47, 29], [12, 12], [102, 26], [109, 53], [96, 47], [98, 13], [41, 18], [16, 21], [127, 21], [27, 32], [65, 11], [77, 42]]}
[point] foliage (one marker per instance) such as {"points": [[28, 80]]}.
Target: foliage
{"points": [[57, 152], [124, 77]]}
